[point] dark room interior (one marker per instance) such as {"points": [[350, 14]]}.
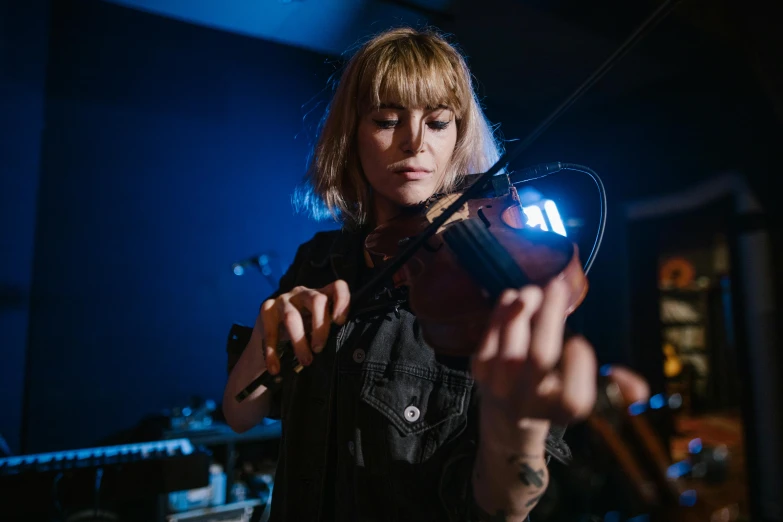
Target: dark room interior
{"points": [[149, 153]]}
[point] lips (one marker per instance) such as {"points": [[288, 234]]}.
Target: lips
{"points": [[413, 173]]}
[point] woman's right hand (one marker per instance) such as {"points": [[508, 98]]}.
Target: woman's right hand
{"points": [[293, 314]]}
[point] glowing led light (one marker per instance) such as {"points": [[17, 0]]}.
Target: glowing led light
{"points": [[694, 446], [688, 498], [637, 408], [535, 218], [678, 469], [554, 217], [550, 216], [238, 270], [657, 401]]}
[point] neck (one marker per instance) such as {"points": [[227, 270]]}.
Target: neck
{"points": [[384, 210]]}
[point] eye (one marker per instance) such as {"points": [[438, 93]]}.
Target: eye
{"points": [[386, 124], [438, 125]]}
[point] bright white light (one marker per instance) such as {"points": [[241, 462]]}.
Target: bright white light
{"points": [[554, 217], [535, 217]]}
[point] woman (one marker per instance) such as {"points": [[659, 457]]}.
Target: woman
{"points": [[377, 426]]}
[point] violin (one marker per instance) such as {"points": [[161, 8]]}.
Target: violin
{"points": [[458, 274]]}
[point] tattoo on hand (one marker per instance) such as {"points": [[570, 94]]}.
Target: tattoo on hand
{"points": [[533, 500], [531, 477]]}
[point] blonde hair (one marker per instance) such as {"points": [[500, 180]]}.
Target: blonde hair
{"points": [[417, 69]]}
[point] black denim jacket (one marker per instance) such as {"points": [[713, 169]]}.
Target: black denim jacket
{"points": [[377, 428]]}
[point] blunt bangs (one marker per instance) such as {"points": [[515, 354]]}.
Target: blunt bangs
{"points": [[414, 73]]}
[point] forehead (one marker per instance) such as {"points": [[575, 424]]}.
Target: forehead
{"points": [[403, 82]]}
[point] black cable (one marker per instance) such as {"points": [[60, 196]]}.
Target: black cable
{"points": [[547, 169]]}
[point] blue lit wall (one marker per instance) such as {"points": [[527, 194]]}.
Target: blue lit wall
{"points": [[23, 49], [170, 151]]}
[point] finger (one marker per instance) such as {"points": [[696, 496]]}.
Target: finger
{"points": [[317, 304], [514, 340], [340, 295], [632, 386], [488, 347], [546, 344], [578, 385], [271, 325], [291, 319]]}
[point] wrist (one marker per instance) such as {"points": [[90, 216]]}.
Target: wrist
{"points": [[527, 436]]}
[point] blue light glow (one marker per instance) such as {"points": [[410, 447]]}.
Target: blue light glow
{"points": [[657, 401], [637, 408], [695, 446], [678, 469], [688, 498], [238, 270], [537, 218], [640, 518], [605, 370], [612, 516], [554, 217]]}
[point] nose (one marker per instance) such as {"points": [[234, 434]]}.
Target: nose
{"points": [[413, 140]]}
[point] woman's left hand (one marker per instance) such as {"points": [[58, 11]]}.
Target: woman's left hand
{"points": [[528, 376]]}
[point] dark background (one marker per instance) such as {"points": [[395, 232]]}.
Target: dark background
{"points": [[142, 155]]}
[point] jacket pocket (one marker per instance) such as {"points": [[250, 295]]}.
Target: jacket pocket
{"points": [[421, 407]]}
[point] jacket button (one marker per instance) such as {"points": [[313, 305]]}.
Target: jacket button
{"points": [[412, 414], [358, 356]]}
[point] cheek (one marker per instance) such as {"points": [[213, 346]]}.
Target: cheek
{"points": [[371, 147], [446, 151]]}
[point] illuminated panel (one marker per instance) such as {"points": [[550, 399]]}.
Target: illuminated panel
{"points": [[549, 217], [554, 217], [535, 218]]}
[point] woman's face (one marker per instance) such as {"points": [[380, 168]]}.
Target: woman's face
{"points": [[405, 153]]}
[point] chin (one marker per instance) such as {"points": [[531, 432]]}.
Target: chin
{"points": [[410, 198]]}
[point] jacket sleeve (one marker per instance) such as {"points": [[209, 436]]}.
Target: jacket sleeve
{"points": [[239, 335]]}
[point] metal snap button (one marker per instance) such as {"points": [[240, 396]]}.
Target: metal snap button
{"points": [[412, 414], [358, 355], [351, 448]]}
